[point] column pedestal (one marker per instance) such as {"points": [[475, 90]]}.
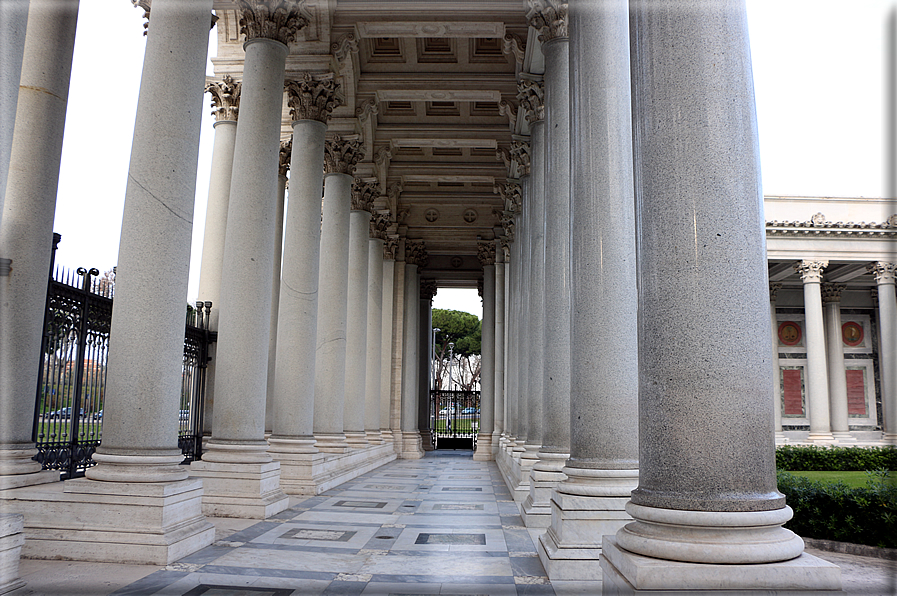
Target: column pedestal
{"points": [[546, 474], [12, 537]]}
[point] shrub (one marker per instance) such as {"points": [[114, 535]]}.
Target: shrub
{"points": [[835, 512], [835, 459]]}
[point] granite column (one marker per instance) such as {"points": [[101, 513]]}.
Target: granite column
{"points": [[292, 442], [776, 373], [487, 357], [277, 266], [887, 328], [415, 256], [13, 23], [707, 512], [425, 339], [498, 412], [817, 369], [390, 246], [837, 374], [374, 354]]}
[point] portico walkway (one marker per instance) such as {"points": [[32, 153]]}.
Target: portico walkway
{"points": [[444, 524]]}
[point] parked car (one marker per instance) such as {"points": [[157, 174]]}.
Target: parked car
{"points": [[470, 410], [446, 412], [65, 413], [98, 415], [184, 415]]}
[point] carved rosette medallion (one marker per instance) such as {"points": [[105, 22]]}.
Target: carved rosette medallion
{"points": [[278, 20], [774, 290], [379, 224], [312, 98], [340, 157], [363, 196], [531, 95], [884, 273], [486, 253], [286, 153], [520, 152], [832, 292], [225, 98], [416, 253], [390, 248], [811, 271], [549, 17], [428, 289]]}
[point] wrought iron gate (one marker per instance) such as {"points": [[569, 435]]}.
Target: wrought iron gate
{"points": [[455, 418], [68, 415]]}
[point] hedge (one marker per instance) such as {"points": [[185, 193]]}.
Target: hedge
{"points": [[835, 512], [835, 459]]}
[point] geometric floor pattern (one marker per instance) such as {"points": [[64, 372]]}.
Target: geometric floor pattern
{"points": [[444, 525]]}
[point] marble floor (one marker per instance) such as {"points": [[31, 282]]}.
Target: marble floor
{"points": [[439, 525]]}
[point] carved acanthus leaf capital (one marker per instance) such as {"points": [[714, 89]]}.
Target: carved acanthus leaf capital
{"points": [[286, 153], [428, 289], [379, 224], [531, 95], [811, 271], [883, 272], [480, 287], [363, 195], [520, 152], [511, 195], [416, 253], [486, 253], [774, 290], [279, 20], [225, 98], [390, 248], [341, 156], [831, 292], [508, 225], [312, 98], [549, 17]]}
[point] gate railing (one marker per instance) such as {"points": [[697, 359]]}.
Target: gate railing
{"points": [[454, 414], [68, 413]]}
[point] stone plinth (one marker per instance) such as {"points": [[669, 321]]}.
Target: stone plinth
{"points": [[245, 490], [314, 473], [144, 523], [544, 477], [622, 570], [12, 537]]}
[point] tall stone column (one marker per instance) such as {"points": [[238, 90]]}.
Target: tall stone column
{"points": [[603, 465], [837, 375], [240, 477], [340, 157], [292, 442], [887, 328], [374, 352], [498, 412], [486, 254], [226, 103], [363, 195], [817, 369], [524, 270], [415, 257], [532, 100], [390, 246], [397, 371], [707, 512], [13, 22], [425, 338], [138, 460], [776, 385], [26, 224], [550, 18], [282, 169]]}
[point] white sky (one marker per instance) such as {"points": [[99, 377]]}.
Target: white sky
{"points": [[819, 74]]}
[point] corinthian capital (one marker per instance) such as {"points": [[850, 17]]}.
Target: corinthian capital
{"points": [[390, 248], [832, 292], [884, 273], [416, 253], [811, 271], [549, 17], [379, 224], [312, 98], [279, 20], [531, 95], [486, 253], [508, 225], [286, 153], [510, 192], [520, 153], [225, 98], [428, 289], [340, 157], [363, 195]]}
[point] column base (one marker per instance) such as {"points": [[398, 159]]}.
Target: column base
{"points": [[142, 523], [373, 437], [545, 475], [628, 573], [245, 490], [411, 445], [842, 438], [314, 473], [821, 438], [889, 438], [589, 504], [357, 439], [22, 480], [331, 442], [12, 537], [426, 440], [516, 473], [781, 439], [485, 451]]}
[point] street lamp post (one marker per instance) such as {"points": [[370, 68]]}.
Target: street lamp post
{"points": [[433, 367]]}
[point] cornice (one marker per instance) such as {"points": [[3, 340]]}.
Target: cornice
{"points": [[818, 226]]}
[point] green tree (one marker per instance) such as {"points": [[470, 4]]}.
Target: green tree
{"points": [[464, 330]]}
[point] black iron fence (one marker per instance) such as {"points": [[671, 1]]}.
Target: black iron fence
{"points": [[455, 418], [68, 415]]}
